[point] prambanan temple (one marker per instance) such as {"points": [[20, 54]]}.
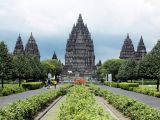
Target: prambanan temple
{"points": [[30, 49], [79, 56], [128, 51]]}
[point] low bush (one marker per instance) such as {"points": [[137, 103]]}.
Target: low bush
{"points": [[123, 85], [112, 84], [80, 104], [32, 85], [146, 82], [127, 86], [130, 107], [147, 91], [11, 89], [28, 108]]}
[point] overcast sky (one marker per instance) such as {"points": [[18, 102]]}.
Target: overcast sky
{"points": [[108, 21]]}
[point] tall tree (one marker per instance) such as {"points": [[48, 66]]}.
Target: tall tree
{"points": [[112, 66], [149, 67], [128, 70], [5, 62]]}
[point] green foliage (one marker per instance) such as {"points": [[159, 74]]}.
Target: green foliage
{"points": [[80, 104], [52, 66], [127, 70], [146, 82], [133, 109], [5, 62], [112, 84], [11, 89], [28, 108], [32, 85], [127, 86], [149, 67], [147, 91], [123, 85], [110, 67]]}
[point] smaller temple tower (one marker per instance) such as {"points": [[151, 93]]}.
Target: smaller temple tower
{"points": [[54, 56], [32, 47], [127, 49], [141, 50], [19, 49]]}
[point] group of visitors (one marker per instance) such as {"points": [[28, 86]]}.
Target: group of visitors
{"points": [[51, 82]]}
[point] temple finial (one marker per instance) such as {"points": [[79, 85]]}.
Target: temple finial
{"points": [[127, 35]]}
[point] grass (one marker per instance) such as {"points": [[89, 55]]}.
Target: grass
{"points": [[53, 113]]}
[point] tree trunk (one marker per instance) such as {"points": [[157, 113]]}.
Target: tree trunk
{"points": [[131, 80], [158, 85], [2, 82], [19, 82]]}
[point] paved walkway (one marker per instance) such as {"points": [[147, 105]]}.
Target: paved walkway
{"points": [[5, 100], [152, 101]]}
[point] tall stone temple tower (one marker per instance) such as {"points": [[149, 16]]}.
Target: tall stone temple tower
{"points": [[128, 51], [141, 50], [19, 49], [79, 56], [32, 47]]}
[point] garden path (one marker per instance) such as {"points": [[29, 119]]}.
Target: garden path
{"points": [[5, 100], [149, 100]]}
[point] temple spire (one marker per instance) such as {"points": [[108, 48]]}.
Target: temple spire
{"points": [[128, 36], [127, 49], [80, 18], [32, 47], [54, 56], [19, 49], [141, 49]]}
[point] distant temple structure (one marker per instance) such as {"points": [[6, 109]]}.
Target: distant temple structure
{"points": [[19, 49], [54, 56], [30, 49], [128, 52], [79, 56]]}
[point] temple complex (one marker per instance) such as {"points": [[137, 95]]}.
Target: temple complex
{"points": [[128, 52], [79, 56]]}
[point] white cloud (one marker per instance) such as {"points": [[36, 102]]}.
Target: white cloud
{"points": [[104, 17]]}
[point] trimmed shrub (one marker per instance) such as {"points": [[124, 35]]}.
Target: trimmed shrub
{"points": [[112, 84], [11, 89], [133, 109], [80, 104], [127, 86], [32, 85], [28, 108]]}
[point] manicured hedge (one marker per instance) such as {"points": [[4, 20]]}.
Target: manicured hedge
{"points": [[80, 104], [146, 82], [133, 109], [11, 89], [127, 86], [28, 108], [112, 84], [147, 91], [32, 85], [123, 85]]}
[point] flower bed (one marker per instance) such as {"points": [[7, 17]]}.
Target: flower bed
{"points": [[80, 104], [133, 109], [28, 108]]}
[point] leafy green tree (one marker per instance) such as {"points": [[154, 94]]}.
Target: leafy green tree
{"points": [[52, 66], [5, 62], [128, 70], [21, 67], [149, 67], [111, 67]]}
